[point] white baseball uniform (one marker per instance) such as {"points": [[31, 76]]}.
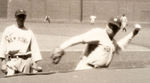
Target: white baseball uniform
{"points": [[23, 41], [99, 54], [92, 19], [124, 21]]}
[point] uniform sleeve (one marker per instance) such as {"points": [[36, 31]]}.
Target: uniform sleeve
{"points": [[72, 41], [83, 38], [122, 43], [3, 45], [36, 55]]}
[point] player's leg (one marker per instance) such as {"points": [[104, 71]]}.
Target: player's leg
{"points": [[82, 65], [27, 65], [124, 29], [124, 26], [35, 68], [11, 67], [10, 71]]}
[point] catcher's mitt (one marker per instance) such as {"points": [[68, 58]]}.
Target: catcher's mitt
{"points": [[57, 55]]}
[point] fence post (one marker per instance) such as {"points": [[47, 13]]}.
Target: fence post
{"points": [[81, 8]]}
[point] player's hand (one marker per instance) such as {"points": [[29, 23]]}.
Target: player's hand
{"points": [[57, 55], [137, 29]]}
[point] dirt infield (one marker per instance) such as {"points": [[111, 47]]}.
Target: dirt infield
{"points": [[140, 75]]}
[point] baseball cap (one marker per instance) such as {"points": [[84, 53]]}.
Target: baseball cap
{"points": [[115, 21], [20, 12]]}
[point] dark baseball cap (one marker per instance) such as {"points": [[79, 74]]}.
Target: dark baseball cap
{"points": [[20, 12], [115, 21]]}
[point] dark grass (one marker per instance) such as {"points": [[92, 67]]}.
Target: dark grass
{"points": [[126, 60]]}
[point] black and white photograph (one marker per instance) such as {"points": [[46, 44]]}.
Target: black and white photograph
{"points": [[74, 41]]}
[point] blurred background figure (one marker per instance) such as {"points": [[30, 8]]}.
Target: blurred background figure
{"points": [[124, 21], [92, 19], [47, 19]]}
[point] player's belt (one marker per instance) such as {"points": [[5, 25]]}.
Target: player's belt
{"points": [[21, 56]]}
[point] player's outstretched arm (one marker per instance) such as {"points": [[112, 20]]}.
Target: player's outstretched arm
{"points": [[57, 53], [127, 39], [79, 39]]}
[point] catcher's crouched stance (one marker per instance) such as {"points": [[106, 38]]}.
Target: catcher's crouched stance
{"points": [[101, 45]]}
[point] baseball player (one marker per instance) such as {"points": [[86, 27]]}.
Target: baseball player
{"points": [[101, 45], [124, 22], [19, 50], [92, 19], [47, 19]]}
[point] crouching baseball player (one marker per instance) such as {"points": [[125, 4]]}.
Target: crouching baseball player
{"points": [[101, 45], [19, 51]]}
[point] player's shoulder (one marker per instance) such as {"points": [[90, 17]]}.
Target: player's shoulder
{"points": [[30, 32], [10, 27], [97, 29]]}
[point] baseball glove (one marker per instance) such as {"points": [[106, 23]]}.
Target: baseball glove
{"points": [[57, 55], [137, 29]]}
